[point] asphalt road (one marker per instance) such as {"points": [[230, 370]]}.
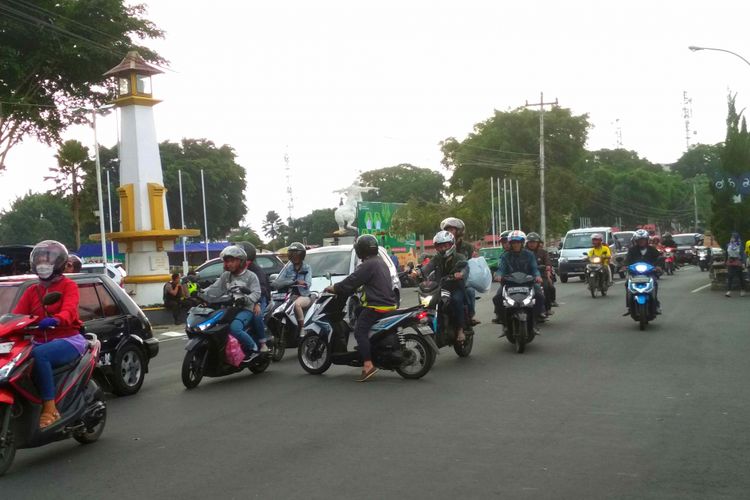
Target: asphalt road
{"points": [[594, 409]]}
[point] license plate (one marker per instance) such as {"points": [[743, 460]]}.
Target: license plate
{"points": [[5, 347], [518, 289], [640, 279]]}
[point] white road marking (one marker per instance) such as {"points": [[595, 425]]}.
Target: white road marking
{"points": [[701, 288]]}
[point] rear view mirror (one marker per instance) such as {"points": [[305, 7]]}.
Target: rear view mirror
{"points": [[51, 298], [559, 245]]}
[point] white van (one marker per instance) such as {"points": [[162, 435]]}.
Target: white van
{"points": [[574, 245]]}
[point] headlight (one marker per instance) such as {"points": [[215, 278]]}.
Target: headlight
{"points": [[563, 260], [641, 268], [596, 260]]}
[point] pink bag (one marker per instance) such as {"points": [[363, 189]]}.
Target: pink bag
{"points": [[233, 351]]}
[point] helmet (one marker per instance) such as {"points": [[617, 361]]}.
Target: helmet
{"points": [[667, 235], [296, 248], [642, 234], [504, 235], [443, 237], [48, 259], [249, 249], [75, 262], [533, 237], [235, 252], [366, 246], [597, 236], [453, 222], [517, 236]]}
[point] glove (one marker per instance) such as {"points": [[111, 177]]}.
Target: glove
{"points": [[240, 301], [48, 323]]}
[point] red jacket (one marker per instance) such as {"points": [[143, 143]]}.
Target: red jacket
{"points": [[65, 310]]}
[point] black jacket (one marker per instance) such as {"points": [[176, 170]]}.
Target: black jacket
{"points": [[265, 289], [446, 266], [372, 274], [651, 257]]}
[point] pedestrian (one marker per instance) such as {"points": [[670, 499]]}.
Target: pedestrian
{"points": [[395, 261], [174, 294], [735, 264]]}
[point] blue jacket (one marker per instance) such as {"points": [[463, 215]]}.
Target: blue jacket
{"points": [[288, 273], [522, 262]]}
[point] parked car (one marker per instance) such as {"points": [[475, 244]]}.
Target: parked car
{"points": [[334, 263], [14, 259], [125, 333], [686, 243], [209, 271], [115, 271], [492, 256]]}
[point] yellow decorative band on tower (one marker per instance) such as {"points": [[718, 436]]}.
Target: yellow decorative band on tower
{"points": [[156, 194], [127, 207]]}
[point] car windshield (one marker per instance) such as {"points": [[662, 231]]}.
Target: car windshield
{"points": [[684, 240], [7, 294], [336, 263], [578, 240]]}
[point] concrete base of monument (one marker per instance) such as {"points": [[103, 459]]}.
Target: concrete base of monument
{"points": [[148, 272]]}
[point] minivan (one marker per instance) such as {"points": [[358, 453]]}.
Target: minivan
{"points": [[576, 243]]}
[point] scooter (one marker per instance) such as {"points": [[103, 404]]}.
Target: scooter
{"points": [[401, 341], [281, 320], [640, 293], [669, 260], [596, 277], [207, 329], [79, 399], [518, 301], [435, 298], [703, 258]]}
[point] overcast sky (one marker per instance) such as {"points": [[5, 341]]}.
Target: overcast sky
{"points": [[350, 86]]}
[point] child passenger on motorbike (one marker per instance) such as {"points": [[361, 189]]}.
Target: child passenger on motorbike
{"points": [[58, 341], [378, 297], [236, 275]]}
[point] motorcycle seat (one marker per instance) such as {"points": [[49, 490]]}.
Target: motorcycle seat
{"points": [[400, 311]]}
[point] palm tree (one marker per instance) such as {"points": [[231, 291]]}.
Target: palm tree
{"points": [[69, 174], [273, 225]]}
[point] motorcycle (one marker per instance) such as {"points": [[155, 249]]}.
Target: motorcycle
{"points": [[207, 329], [669, 260], [280, 318], [326, 337], [703, 258], [435, 298], [640, 293], [596, 277], [79, 399], [519, 300]]}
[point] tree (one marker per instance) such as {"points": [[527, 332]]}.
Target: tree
{"points": [[401, 183], [313, 227], [272, 225], [246, 233], [36, 217], [419, 217], [69, 174], [699, 159], [224, 179], [52, 58]]}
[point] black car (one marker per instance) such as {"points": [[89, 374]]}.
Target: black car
{"points": [[107, 311], [209, 271]]}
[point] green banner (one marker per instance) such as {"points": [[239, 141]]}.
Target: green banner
{"points": [[374, 218]]}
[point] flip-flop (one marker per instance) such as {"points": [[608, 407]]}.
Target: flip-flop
{"points": [[365, 376], [48, 418]]}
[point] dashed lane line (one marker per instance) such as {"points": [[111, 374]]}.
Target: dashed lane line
{"points": [[701, 288]]}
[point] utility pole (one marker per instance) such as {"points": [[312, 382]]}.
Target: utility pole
{"points": [[687, 114], [695, 204], [542, 208]]}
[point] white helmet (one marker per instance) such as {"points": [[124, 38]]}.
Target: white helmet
{"points": [[443, 237], [517, 235], [597, 236], [234, 251], [453, 222]]}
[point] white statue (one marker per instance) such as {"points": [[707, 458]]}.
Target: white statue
{"points": [[346, 213]]}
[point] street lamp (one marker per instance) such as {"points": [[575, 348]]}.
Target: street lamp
{"points": [[696, 49]]}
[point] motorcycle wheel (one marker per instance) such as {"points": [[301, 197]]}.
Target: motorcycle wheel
{"points": [[593, 292], [314, 354], [642, 316], [279, 346], [622, 275], [520, 336], [7, 446], [463, 350], [260, 367], [192, 368], [582, 278], [88, 436], [564, 278], [422, 357]]}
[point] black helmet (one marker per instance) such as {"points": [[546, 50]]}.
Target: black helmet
{"points": [[75, 262], [533, 237], [48, 259], [366, 246], [296, 248], [249, 249]]}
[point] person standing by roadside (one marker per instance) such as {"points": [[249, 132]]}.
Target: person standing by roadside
{"points": [[735, 264], [174, 294]]}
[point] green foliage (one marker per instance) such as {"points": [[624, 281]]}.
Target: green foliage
{"points": [[273, 225], [313, 227], [700, 159], [52, 58], [36, 217], [401, 183], [419, 217], [246, 233], [224, 179], [72, 163]]}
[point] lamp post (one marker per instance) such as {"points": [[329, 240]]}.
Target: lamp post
{"points": [[696, 49]]}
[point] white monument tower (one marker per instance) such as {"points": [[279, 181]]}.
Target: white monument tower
{"points": [[144, 236]]}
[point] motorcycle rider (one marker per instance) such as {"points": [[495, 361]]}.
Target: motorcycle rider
{"points": [[457, 227], [602, 251], [378, 297], [544, 264], [504, 240], [236, 274], [299, 272], [58, 340], [643, 252], [259, 328], [74, 264], [449, 263], [517, 260]]}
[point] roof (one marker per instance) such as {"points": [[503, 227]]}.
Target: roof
{"points": [[133, 61], [590, 230]]}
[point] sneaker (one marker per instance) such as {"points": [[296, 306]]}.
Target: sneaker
{"points": [[728, 294], [250, 357], [264, 348]]}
